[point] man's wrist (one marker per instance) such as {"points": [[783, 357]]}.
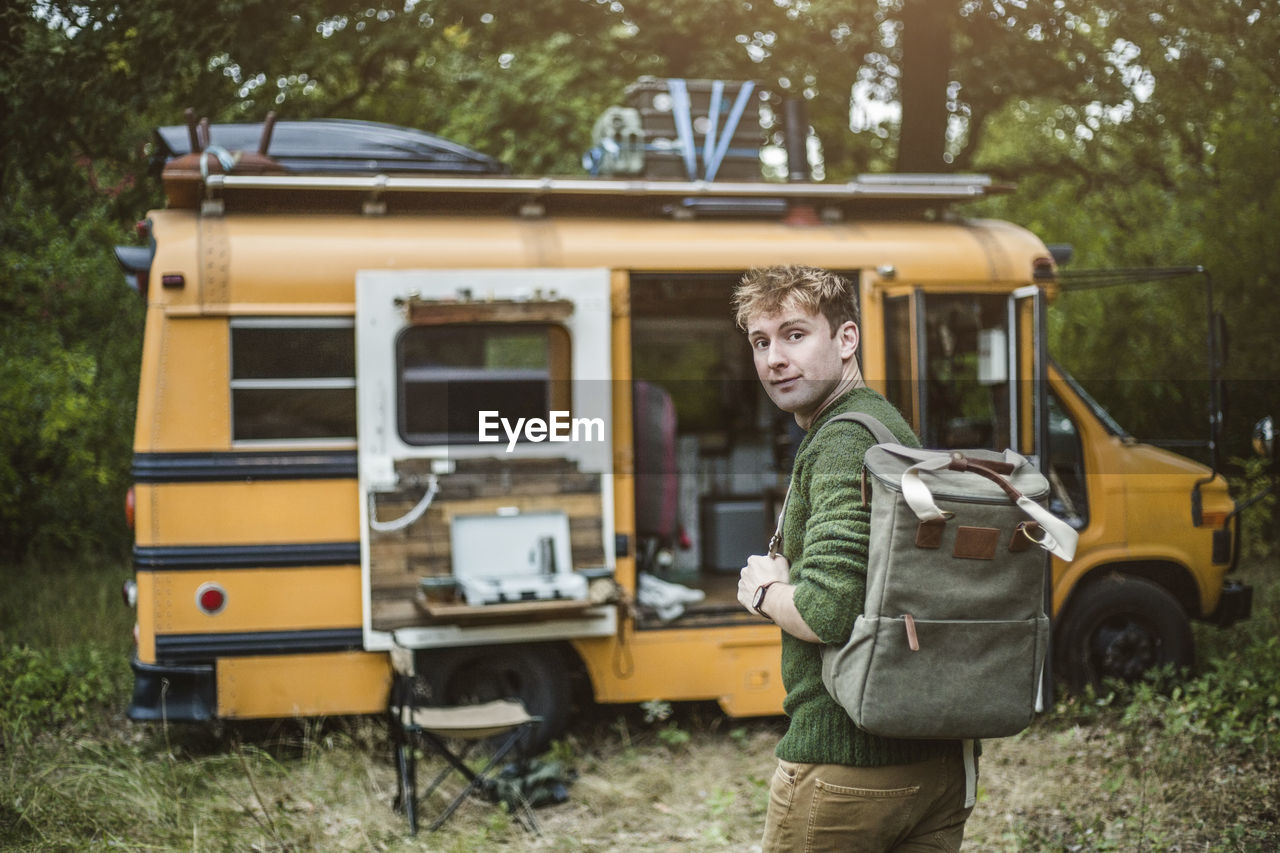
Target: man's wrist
{"points": [[757, 601]]}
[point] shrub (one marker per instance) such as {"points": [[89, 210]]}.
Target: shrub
{"points": [[49, 689], [1235, 701]]}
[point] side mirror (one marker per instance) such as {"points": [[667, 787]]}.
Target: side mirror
{"points": [[1264, 439]]}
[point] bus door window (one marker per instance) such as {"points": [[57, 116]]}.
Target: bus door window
{"points": [[899, 380], [1068, 498], [966, 358]]}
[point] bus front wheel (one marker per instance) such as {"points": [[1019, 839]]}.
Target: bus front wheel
{"points": [[1122, 627]]}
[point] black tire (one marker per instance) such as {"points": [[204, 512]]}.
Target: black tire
{"points": [[1121, 627], [539, 675]]}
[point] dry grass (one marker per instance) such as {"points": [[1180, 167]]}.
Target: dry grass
{"points": [[1089, 777], [1057, 787]]}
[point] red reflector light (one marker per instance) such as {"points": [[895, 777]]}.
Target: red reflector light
{"points": [[173, 280], [129, 504], [211, 598]]}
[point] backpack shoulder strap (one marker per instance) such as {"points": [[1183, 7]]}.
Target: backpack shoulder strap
{"points": [[878, 430]]}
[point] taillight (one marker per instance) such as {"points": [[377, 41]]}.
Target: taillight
{"points": [[129, 504], [211, 598]]}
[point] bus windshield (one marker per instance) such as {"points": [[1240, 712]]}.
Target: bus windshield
{"points": [[1103, 416]]}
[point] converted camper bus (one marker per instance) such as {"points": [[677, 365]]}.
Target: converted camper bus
{"points": [[395, 401]]}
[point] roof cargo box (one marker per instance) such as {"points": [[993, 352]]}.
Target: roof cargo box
{"points": [[339, 146]]}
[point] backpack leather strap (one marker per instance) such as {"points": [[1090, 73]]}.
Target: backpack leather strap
{"points": [[878, 431], [1054, 535]]}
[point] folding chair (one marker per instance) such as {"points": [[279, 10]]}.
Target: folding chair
{"points": [[503, 722]]}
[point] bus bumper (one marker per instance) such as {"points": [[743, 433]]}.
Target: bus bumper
{"points": [[172, 693], [1234, 605]]}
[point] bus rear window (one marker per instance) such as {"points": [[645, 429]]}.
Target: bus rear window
{"points": [[293, 379], [448, 375]]}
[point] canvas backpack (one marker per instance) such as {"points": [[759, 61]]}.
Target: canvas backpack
{"points": [[953, 637]]}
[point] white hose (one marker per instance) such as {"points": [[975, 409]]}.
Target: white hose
{"points": [[433, 486]]}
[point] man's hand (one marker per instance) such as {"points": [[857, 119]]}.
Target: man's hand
{"points": [[779, 602], [759, 571]]}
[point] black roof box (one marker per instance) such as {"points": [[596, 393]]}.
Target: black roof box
{"points": [[339, 146]]}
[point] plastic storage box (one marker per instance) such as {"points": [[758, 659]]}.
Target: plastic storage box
{"points": [[732, 530], [514, 557]]}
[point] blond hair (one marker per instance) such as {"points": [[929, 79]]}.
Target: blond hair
{"points": [[768, 290]]}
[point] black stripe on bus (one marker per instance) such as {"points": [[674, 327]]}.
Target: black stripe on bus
{"points": [[192, 557], [192, 648], [234, 466]]}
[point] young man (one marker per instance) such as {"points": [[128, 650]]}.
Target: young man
{"points": [[836, 787]]}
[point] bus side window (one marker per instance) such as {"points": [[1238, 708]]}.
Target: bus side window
{"points": [[293, 379], [1068, 497]]}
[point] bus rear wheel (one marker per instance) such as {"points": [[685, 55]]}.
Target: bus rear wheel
{"points": [[539, 675], [1122, 627]]}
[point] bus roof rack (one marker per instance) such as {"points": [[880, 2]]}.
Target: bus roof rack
{"points": [[890, 195], [335, 165]]}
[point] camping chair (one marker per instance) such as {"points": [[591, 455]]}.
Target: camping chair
{"points": [[501, 724]]}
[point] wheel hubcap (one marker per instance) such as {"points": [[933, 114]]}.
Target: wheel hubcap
{"points": [[1124, 649]]}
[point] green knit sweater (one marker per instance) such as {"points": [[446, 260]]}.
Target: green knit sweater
{"points": [[824, 536]]}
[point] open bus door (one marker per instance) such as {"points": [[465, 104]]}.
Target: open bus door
{"points": [[486, 491], [969, 369], [1029, 354]]}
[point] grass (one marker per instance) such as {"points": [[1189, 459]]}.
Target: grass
{"points": [[1174, 767]]}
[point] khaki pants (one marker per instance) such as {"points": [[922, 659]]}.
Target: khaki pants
{"points": [[816, 808]]}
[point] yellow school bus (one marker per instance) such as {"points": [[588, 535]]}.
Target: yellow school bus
{"points": [[507, 428]]}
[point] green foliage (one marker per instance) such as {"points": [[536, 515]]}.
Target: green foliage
{"points": [[673, 736], [64, 641], [1234, 704], [70, 335], [49, 689], [1167, 164], [1257, 521]]}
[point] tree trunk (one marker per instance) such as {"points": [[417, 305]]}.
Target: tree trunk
{"points": [[926, 67]]}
